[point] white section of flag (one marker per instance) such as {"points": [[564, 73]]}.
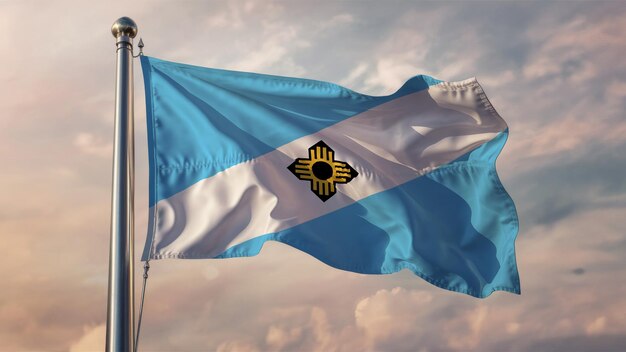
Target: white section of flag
{"points": [[388, 145]]}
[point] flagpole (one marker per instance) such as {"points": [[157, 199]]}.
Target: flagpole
{"points": [[121, 302]]}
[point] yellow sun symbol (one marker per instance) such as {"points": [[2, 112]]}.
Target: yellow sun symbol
{"points": [[322, 170]]}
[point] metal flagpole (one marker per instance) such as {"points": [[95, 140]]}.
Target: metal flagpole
{"points": [[121, 302]]}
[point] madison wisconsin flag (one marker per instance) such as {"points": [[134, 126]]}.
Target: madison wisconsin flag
{"points": [[369, 184]]}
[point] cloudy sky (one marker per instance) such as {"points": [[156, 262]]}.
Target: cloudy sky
{"points": [[555, 71]]}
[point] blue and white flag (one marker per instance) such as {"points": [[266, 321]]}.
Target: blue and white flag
{"points": [[366, 184]]}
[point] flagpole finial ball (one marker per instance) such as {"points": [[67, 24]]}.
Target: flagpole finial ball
{"points": [[124, 26]]}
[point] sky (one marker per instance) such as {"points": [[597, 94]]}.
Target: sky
{"points": [[556, 72]]}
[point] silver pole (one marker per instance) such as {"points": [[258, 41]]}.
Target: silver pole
{"points": [[121, 302]]}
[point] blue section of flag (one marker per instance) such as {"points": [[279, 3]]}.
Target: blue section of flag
{"points": [[191, 140], [455, 227]]}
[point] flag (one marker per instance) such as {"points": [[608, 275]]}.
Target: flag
{"points": [[369, 184]]}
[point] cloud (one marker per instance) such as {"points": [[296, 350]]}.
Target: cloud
{"points": [[390, 73], [390, 314], [465, 331], [397, 59], [499, 79], [278, 338], [337, 20], [93, 145], [210, 273], [512, 327], [355, 75], [92, 340], [582, 40], [274, 49], [230, 18], [578, 343], [596, 326], [237, 346], [571, 184]]}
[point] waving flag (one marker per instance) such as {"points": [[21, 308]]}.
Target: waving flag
{"points": [[367, 184]]}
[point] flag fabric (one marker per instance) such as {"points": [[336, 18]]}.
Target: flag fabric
{"points": [[369, 184]]}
